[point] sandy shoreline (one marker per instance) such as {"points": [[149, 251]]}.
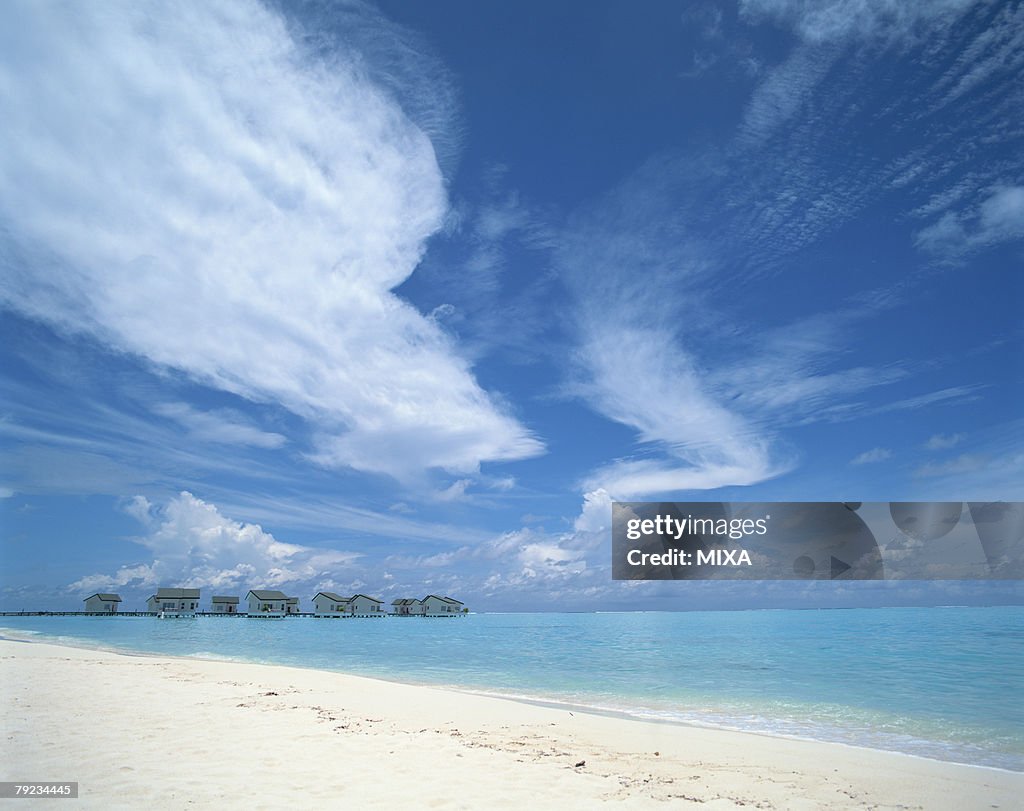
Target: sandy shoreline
{"points": [[207, 734]]}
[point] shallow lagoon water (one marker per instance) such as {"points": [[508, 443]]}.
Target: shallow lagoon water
{"points": [[944, 683]]}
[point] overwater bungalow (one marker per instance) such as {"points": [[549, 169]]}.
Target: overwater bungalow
{"points": [[359, 605], [174, 601], [102, 603], [329, 604], [266, 603], [434, 606], [406, 607], [291, 605], [224, 605]]}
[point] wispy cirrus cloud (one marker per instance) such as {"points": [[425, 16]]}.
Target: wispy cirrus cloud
{"points": [[968, 45], [244, 223], [950, 394], [658, 349], [941, 442], [872, 456], [635, 273], [654, 267], [703, 444], [988, 470], [996, 50], [477, 284], [824, 30], [965, 463], [224, 426], [89, 428], [835, 20]]}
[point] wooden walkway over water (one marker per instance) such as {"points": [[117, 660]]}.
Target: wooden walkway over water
{"points": [[218, 614], [117, 614]]}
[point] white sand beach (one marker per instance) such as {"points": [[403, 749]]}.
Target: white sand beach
{"points": [[139, 731]]}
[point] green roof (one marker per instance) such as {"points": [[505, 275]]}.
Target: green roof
{"points": [[268, 595], [443, 599], [330, 595], [176, 594]]}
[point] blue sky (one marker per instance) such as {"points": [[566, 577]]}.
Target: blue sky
{"points": [[396, 298]]}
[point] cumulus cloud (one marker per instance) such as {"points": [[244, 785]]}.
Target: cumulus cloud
{"points": [[140, 508], [194, 546], [188, 184], [596, 513], [529, 555], [529, 560]]}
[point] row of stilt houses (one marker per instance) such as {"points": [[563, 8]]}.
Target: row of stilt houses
{"points": [[173, 602]]}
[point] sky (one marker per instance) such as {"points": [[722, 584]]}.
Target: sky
{"points": [[397, 298]]}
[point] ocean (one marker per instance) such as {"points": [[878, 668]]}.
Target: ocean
{"points": [[943, 683]]}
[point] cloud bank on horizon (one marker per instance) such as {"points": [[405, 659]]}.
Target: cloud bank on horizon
{"points": [[327, 296]]}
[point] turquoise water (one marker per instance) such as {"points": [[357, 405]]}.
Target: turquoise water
{"points": [[945, 683]]}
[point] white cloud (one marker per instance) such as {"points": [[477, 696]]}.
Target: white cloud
{"points": [[944, 235], [482, 290], [824, 21], [1001, 216], [952, 394], [640, 377], [186, 184], [554, 567], [994, 475], [224, 426], [997, 49], [140, 508], [548, 565], [454, 492], [526, 555], [502, 483], [136, 576], [998, 218], [941, 442], [596, 514], [498, 219], [788, 370], [193, 545], [632, 480], [653, 268], [549, 556], [965, 463], [872, 456], [784, 90], [825, 28]]}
